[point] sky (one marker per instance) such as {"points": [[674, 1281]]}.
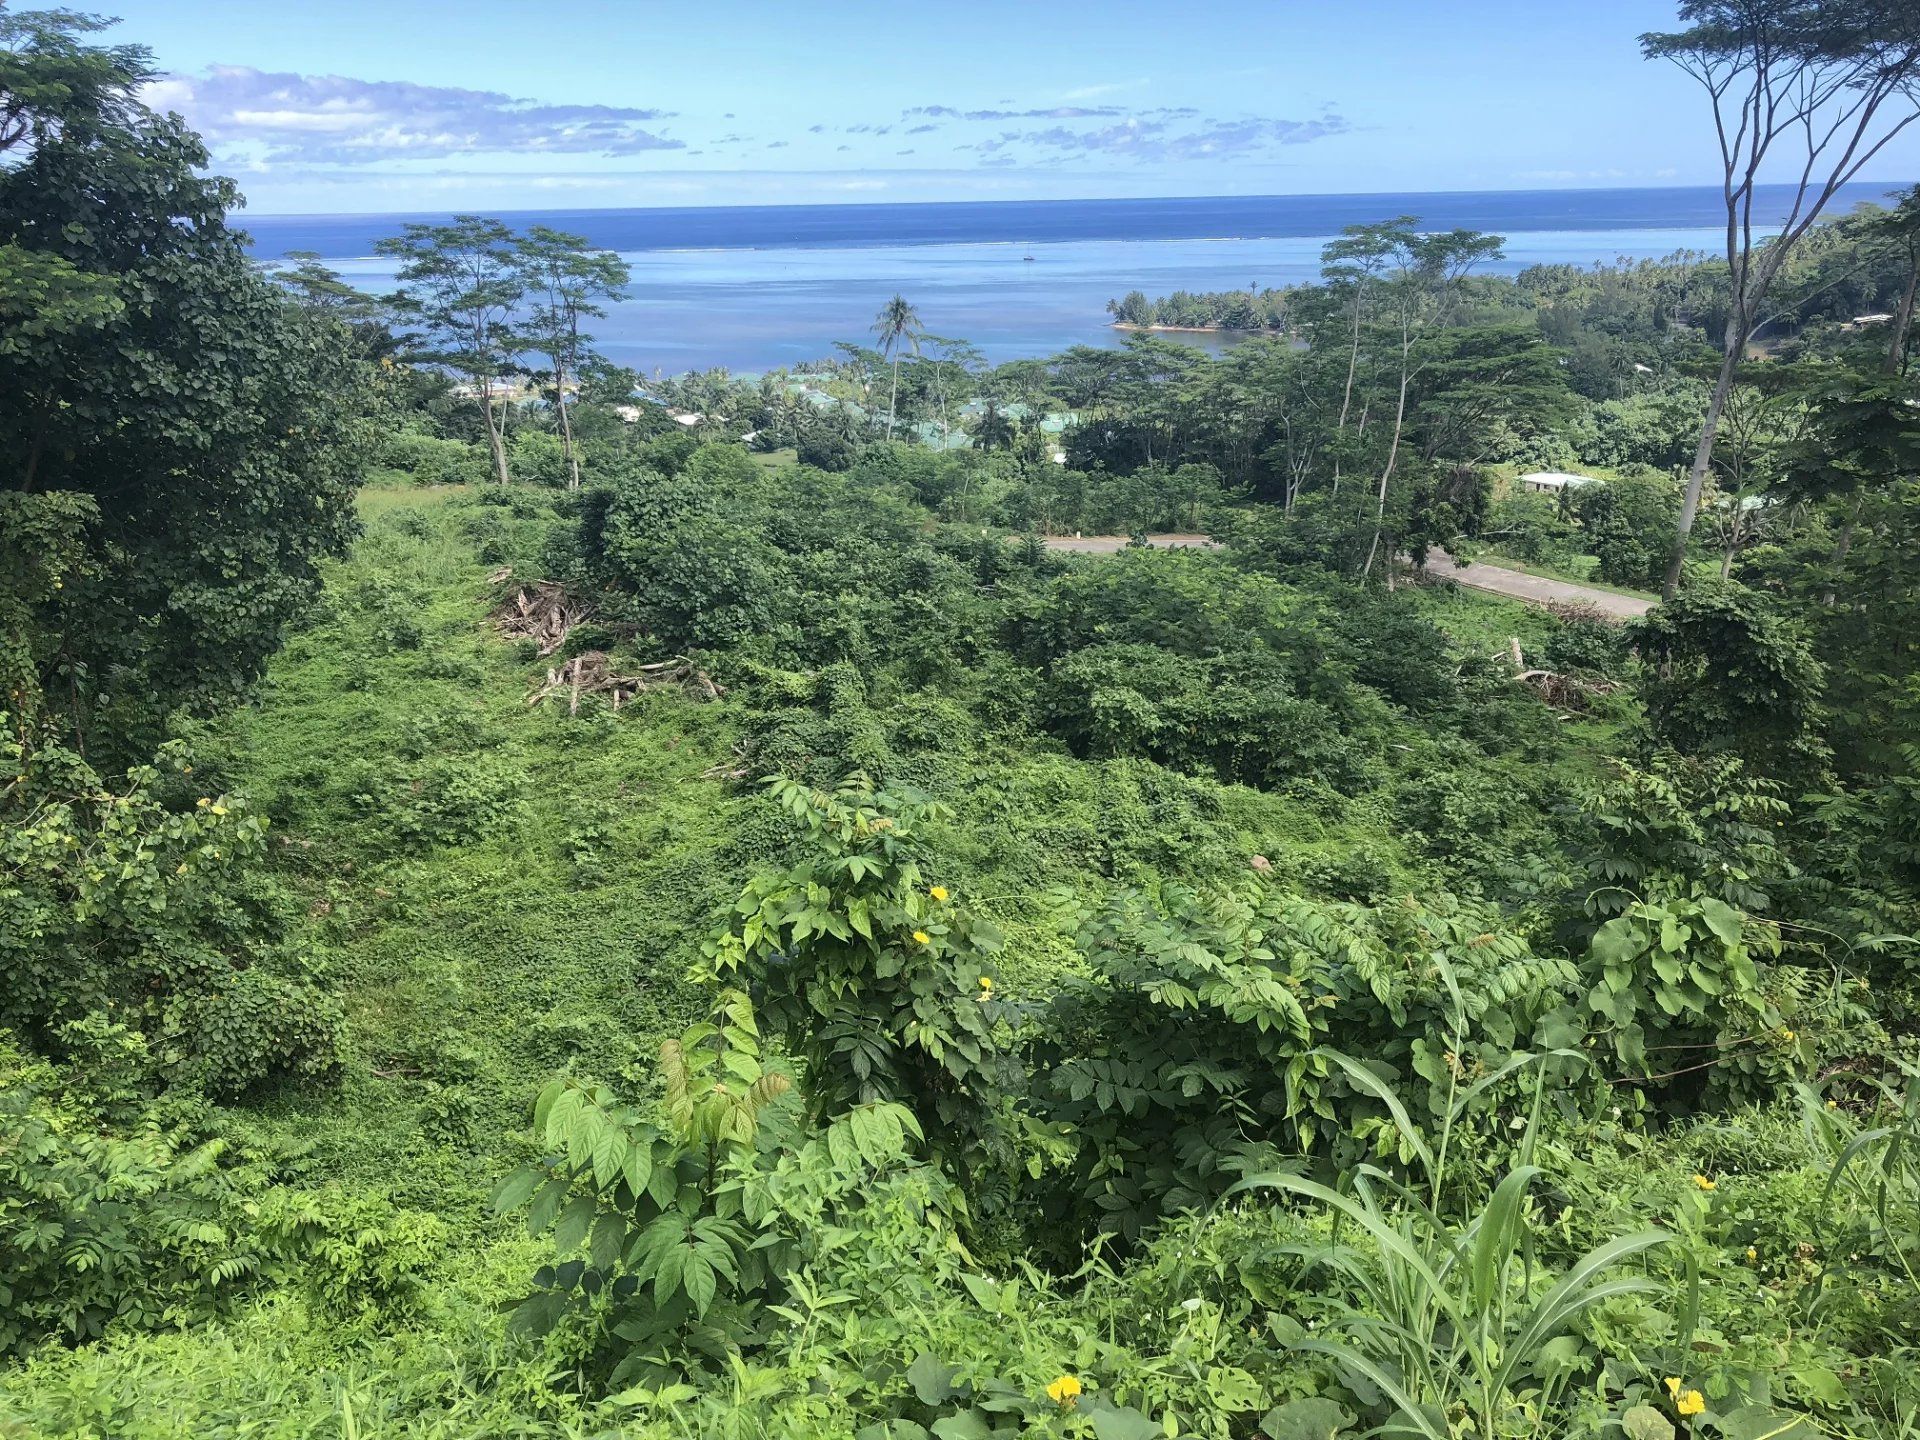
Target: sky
{"points": [[367, 106]]}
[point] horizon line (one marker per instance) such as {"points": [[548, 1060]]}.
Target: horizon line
{"points": [[1071, 200]]}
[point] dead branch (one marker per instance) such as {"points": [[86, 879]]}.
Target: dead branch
{"points": [[591, 673], [1570, 693], [542, 612]]}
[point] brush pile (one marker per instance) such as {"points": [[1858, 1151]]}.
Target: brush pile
{"points": [[591, 673], [1564, 692], [542, 612]]}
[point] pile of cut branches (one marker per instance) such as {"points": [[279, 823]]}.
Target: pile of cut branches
{"points": [[1566, 692], [542, 612], [591, 673]]}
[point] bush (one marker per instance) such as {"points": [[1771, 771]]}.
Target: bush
{"points": [[430, 460], [101, 1227]]}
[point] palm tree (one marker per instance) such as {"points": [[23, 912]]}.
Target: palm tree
{"points": [[896, 322]]}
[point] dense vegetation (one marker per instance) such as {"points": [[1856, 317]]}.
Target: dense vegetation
{"points": [[522, 915], [1248, 309]]}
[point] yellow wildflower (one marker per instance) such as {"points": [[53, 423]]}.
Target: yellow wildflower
{"points": [[1064, 1392], [1752, 1253], [1704, 1183], [1691, 1403], [986, 985], [922, 937], [203, 802], [1673, 1386], [939, 892]]}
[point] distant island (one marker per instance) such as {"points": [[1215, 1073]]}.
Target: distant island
{"points": [[1215, 310]]}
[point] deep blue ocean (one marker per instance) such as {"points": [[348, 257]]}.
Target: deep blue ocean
{"points": [[752, 287]]}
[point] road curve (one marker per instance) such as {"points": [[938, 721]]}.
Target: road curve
{"points": [[1537, 589], [1515, 584]]}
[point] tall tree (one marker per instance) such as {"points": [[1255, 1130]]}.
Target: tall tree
{"points": [[179, 443], [1421, 274], [897, 324], [567, 280], [1810, 89], [462, 285], [1349, 266]]}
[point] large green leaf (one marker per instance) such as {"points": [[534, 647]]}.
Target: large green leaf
{"points": [[1314, 1418]]}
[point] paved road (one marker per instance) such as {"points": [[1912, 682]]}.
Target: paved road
{"points": [[1107, 544], [1517, 584], [1535, 588]]}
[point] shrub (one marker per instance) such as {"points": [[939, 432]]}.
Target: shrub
{"points": [[430, 460], [101, 1228], [880, 981]]}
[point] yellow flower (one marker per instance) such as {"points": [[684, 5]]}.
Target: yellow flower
{"points": [[1064, 1392], [923, 937], [1691, 1403], [986, 984], [1673, 1386], [1752, 1253], [939, 892], [1704, 1183], [203, 802]]}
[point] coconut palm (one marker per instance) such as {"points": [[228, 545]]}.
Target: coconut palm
{"points": [[897, 323]]}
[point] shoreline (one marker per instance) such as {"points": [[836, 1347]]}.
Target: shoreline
{"points": [[1198, 329]]}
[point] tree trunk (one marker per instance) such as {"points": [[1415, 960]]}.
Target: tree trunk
{"points": [[1386, 473], [495, 441], [1844, 544], [566, 426], [893, 396], [1902, 323], [1703, 458]]}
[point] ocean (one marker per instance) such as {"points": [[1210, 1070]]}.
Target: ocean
{"points": [[753, 287]]}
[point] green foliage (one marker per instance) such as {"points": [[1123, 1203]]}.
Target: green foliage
{"points": [[144, 1229], [879, 978], [1455, 1327], [135, 901], [1197, 1049], [691, 1227], [1677, 976], [429, 459], [212, 428], [356, 1255], [1727, 672]]}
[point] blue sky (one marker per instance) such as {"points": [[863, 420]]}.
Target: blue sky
{"points": [[378, 105]]}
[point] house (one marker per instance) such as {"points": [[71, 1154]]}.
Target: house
{"points": [[1554, 482]]}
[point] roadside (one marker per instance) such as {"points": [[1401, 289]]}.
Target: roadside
{"points": [[1516, 584]]}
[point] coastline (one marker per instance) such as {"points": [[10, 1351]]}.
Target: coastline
{"points": [[1199, 329]]}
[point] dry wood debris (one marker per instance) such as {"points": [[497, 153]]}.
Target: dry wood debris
{"points": [[591, 673], [541, 611]]}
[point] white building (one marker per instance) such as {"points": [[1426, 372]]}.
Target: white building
{"points": [[1553, 482]]}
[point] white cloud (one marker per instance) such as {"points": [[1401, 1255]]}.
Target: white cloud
{"points": [[335, 119]]}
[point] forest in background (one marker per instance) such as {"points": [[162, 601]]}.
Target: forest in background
{"points": [[534, 904]]}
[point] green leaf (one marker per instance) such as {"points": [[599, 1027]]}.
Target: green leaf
{"points": [[574, 1221], [1725, 921], [1316, 1418], [932, 1379], [1643, 1422], [1124, 1423], [967, 1425], [1762, 1422], [515, 1190]]}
